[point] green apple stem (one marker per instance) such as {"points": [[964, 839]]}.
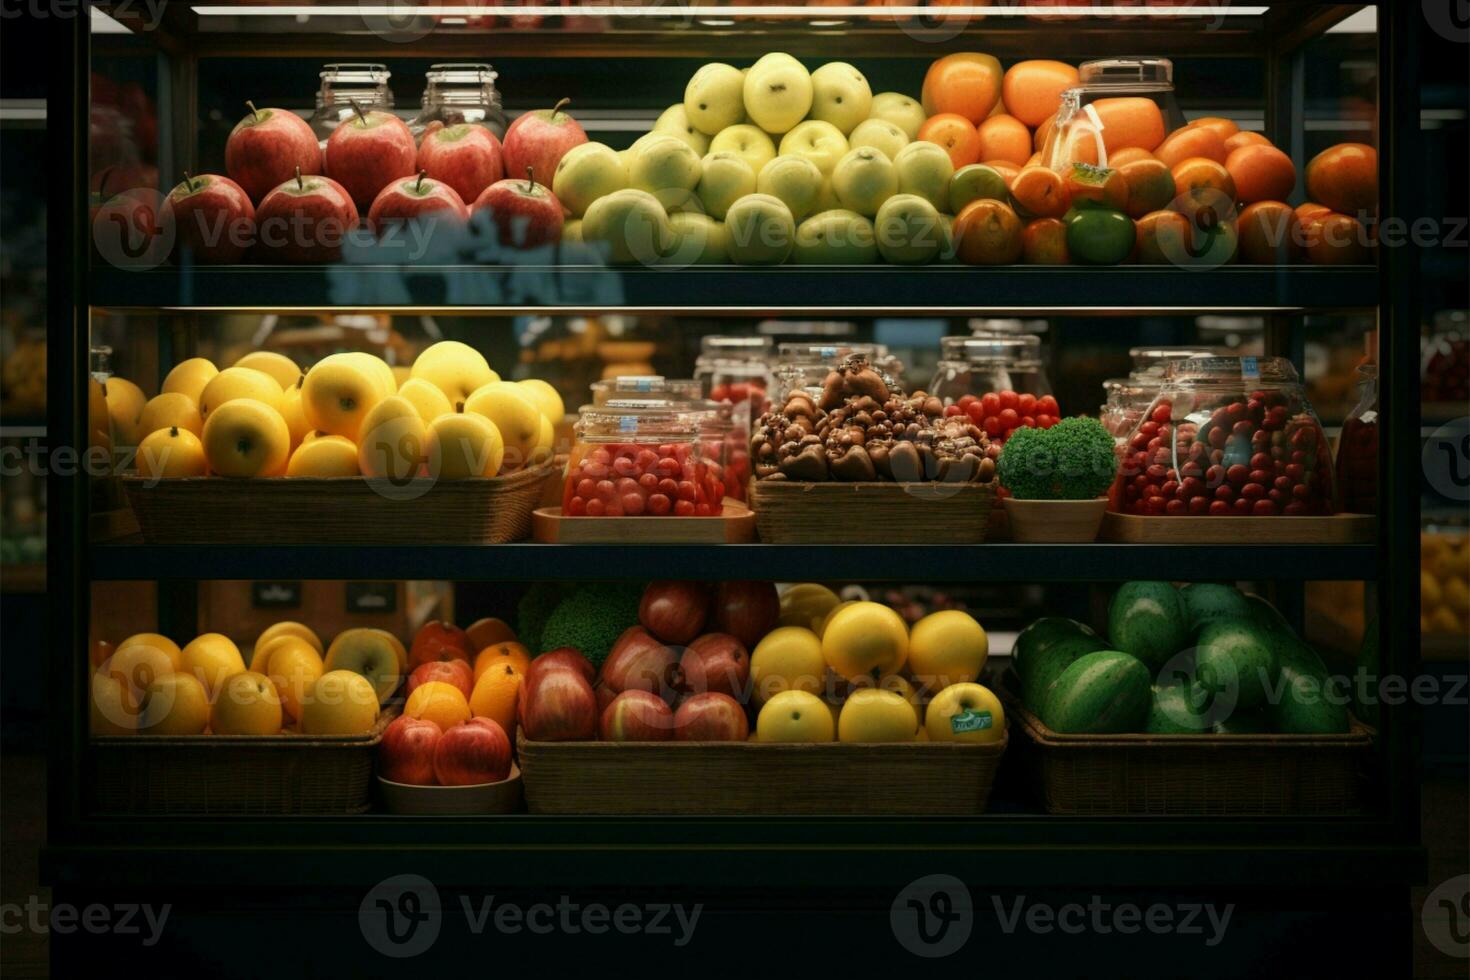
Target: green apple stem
{"points": [[558, 108], [254, 112], [188, 181], [173, 430], [357, 109]]}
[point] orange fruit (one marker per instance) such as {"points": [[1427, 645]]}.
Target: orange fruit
{"points": [[489, 631], [1150, 185], [1007, 170], [1345, 178], [1244, 138], [1004, 138], [1130, 121], [1203, 185], [956, 134], [1310, 208], [1100, 185], [987, 232], [440, 702], [1334, 239], [495, 696], [965, 83], [511, 653], [1225, 127], [1044, 242], [1169, 238], [1032, 90], [1261, 173], [1038, 138], [1270, 233], [1034, 160], [1040, 192], [1192, 141], [1127, 155]]}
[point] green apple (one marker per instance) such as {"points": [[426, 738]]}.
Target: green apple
{"points": [[826, 198], [949, 252], [840, 95], [820, 142], [924, 169], [795, 180], [863, 179], [585, 173], [775, 57], [631, 225], [638, 145], [675, 122], [668, 169], [715, 97], [746, 140], [895, 107], [778, 94], [881, 135], [725, 177], [759, 230], [697, 239], [835, 237], [908, 230], [973, 182]]}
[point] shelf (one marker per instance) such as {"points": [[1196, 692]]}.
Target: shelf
{"points": [[782, 563], [25, 578], [960, 290]]}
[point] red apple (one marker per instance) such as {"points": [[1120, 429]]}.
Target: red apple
{"points": [[715, 662], [521, 213], [745, 610], [465, 156], [559, 658], [559, 707], [674, 611], [127, 227], [638, 661], [539, 139], [267, 148], [456, 672], [605, 696], [438, 640], [213, 218], [637, 716], [416, 199], [476, 752], [711, 717], [406, 754], [306, 219], [367, 152]]}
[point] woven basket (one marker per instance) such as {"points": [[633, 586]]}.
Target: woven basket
{"points": [[208, 775], [871, 513], [701, 778], [338, 510]]}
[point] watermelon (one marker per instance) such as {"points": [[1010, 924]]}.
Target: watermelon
{"points": [[1236, 661], [1042, 634], [1148, 620], [1267, 616], [1208, 601], [1101, 693], [1047, 665], [1178, 708], [1308, 702]]}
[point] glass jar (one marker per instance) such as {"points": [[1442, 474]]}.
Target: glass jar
{"points": [[1357, 448], [343, 84], [646, 387], [1227, 436], [460, 93], [1445, 359], [641, 458], [998, 381], [804, 366], [1127, 399], [1130, 97], [735, 375]]}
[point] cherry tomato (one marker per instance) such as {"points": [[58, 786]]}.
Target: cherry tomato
{"points": [[990, 404], [658, 505], [1009, 400]]}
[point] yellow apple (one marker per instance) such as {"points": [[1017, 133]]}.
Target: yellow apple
{"points": [[176, 704], [807, 604], [373, 366], [516, 418], [544, 397], [168, 410], [896, 683], [789, 658], [947, 647], [189, 377], [865, 638], [294, 412], [440, 702], [278, 366], [368, 652], [545, 449], [965, 713], [337, 395], [171, 453], [125, 402], [247, 438], [456, 369], [288, 627], [873, 714], [157, 640], [399, 650], [112, 711], [794, 716], [248, 705], [138, 666], [233, 383], [392, 440], [341, 702], [426, 397], [401, 373], [293, 667], [325, 457], [214, 659]]}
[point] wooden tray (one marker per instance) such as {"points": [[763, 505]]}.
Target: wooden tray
{"points": [[698, 778], [339, 510], [735, 526], [871, 513], [501, 797], [1337, 529]]}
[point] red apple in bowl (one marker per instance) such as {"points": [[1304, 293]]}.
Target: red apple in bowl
{"points": [[438, 640], [213, 218], [465, 156], [456, 672], [367, 152], [637, 716], [476, 752], [306, 219], [711, 717], [605, 696], [745, 610], [539, 139], [267, 148], [561, 657], [415, 200], [406, 754], [521, 212], [674, 611], [715, 662], [559, 706], [638, 661]]}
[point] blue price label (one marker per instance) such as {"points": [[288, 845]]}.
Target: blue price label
{"points": [[971, 721]]}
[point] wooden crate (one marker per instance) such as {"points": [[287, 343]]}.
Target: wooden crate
{"points": [[871, 513]]}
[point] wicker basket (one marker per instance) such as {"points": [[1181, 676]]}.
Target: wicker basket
{"points": [[871, 513], [702, 778], [209, 775], [339, 510]]}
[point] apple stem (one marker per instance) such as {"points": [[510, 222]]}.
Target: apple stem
{"points": [[173, 430], [254, 112], [300, 184], [530, 179], [188, 181], [459, 408], [357, 109], [418, 186], [558, 107]]}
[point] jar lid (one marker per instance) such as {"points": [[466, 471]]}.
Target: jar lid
{"points": [[645, 389], [1137, 71], [802, 350], [722, 345], [1011, 348], [636, 413], [1152, 360], [1229, 368], [356, 73], [460, 73]]}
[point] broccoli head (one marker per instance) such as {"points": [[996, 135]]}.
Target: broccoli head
{"points": [[592, 618], [1073, 460]]}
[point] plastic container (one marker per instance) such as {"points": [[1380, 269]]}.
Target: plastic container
{"points": [[805, 366], [1227, 436], [365, 83], [999, 381], [1357, 448], [645, 388], [460, 93], [641, 458], [1094, 119], [735, 375], [1127, 399]]}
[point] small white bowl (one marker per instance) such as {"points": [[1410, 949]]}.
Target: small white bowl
{"points": [[501, 797]]}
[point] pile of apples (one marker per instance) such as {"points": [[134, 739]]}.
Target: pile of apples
{"points": [[448, 416]]}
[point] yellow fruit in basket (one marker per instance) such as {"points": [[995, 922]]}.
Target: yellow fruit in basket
{"points": [[544, 397], [138, 666], [280, 367], [454, 368], [426, 398], [516, 418], [371, 365], [111, 711], [865, 638], [170, 410], [288, 627], [294, 412], [246, 438], [1430, 595], [821, 627], [897, 684], [337, 395], [462, 445], [341, 702], [947, 647], [1443, 620], [505, 652], [873, 714], [789, 658], [401, 373], [794, 716], [125, 402], [233, 383], [392, 441], [214, 659], [158, 640], [1449, 563], [189, 377], [373, 653], [293, 668], [327, 456], [176, 704], [495, 695], [965, 713], [545, 448], [807, 604], [399, 650], [171, 453], [439, 702], [1457, 595], [247, 705]]}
